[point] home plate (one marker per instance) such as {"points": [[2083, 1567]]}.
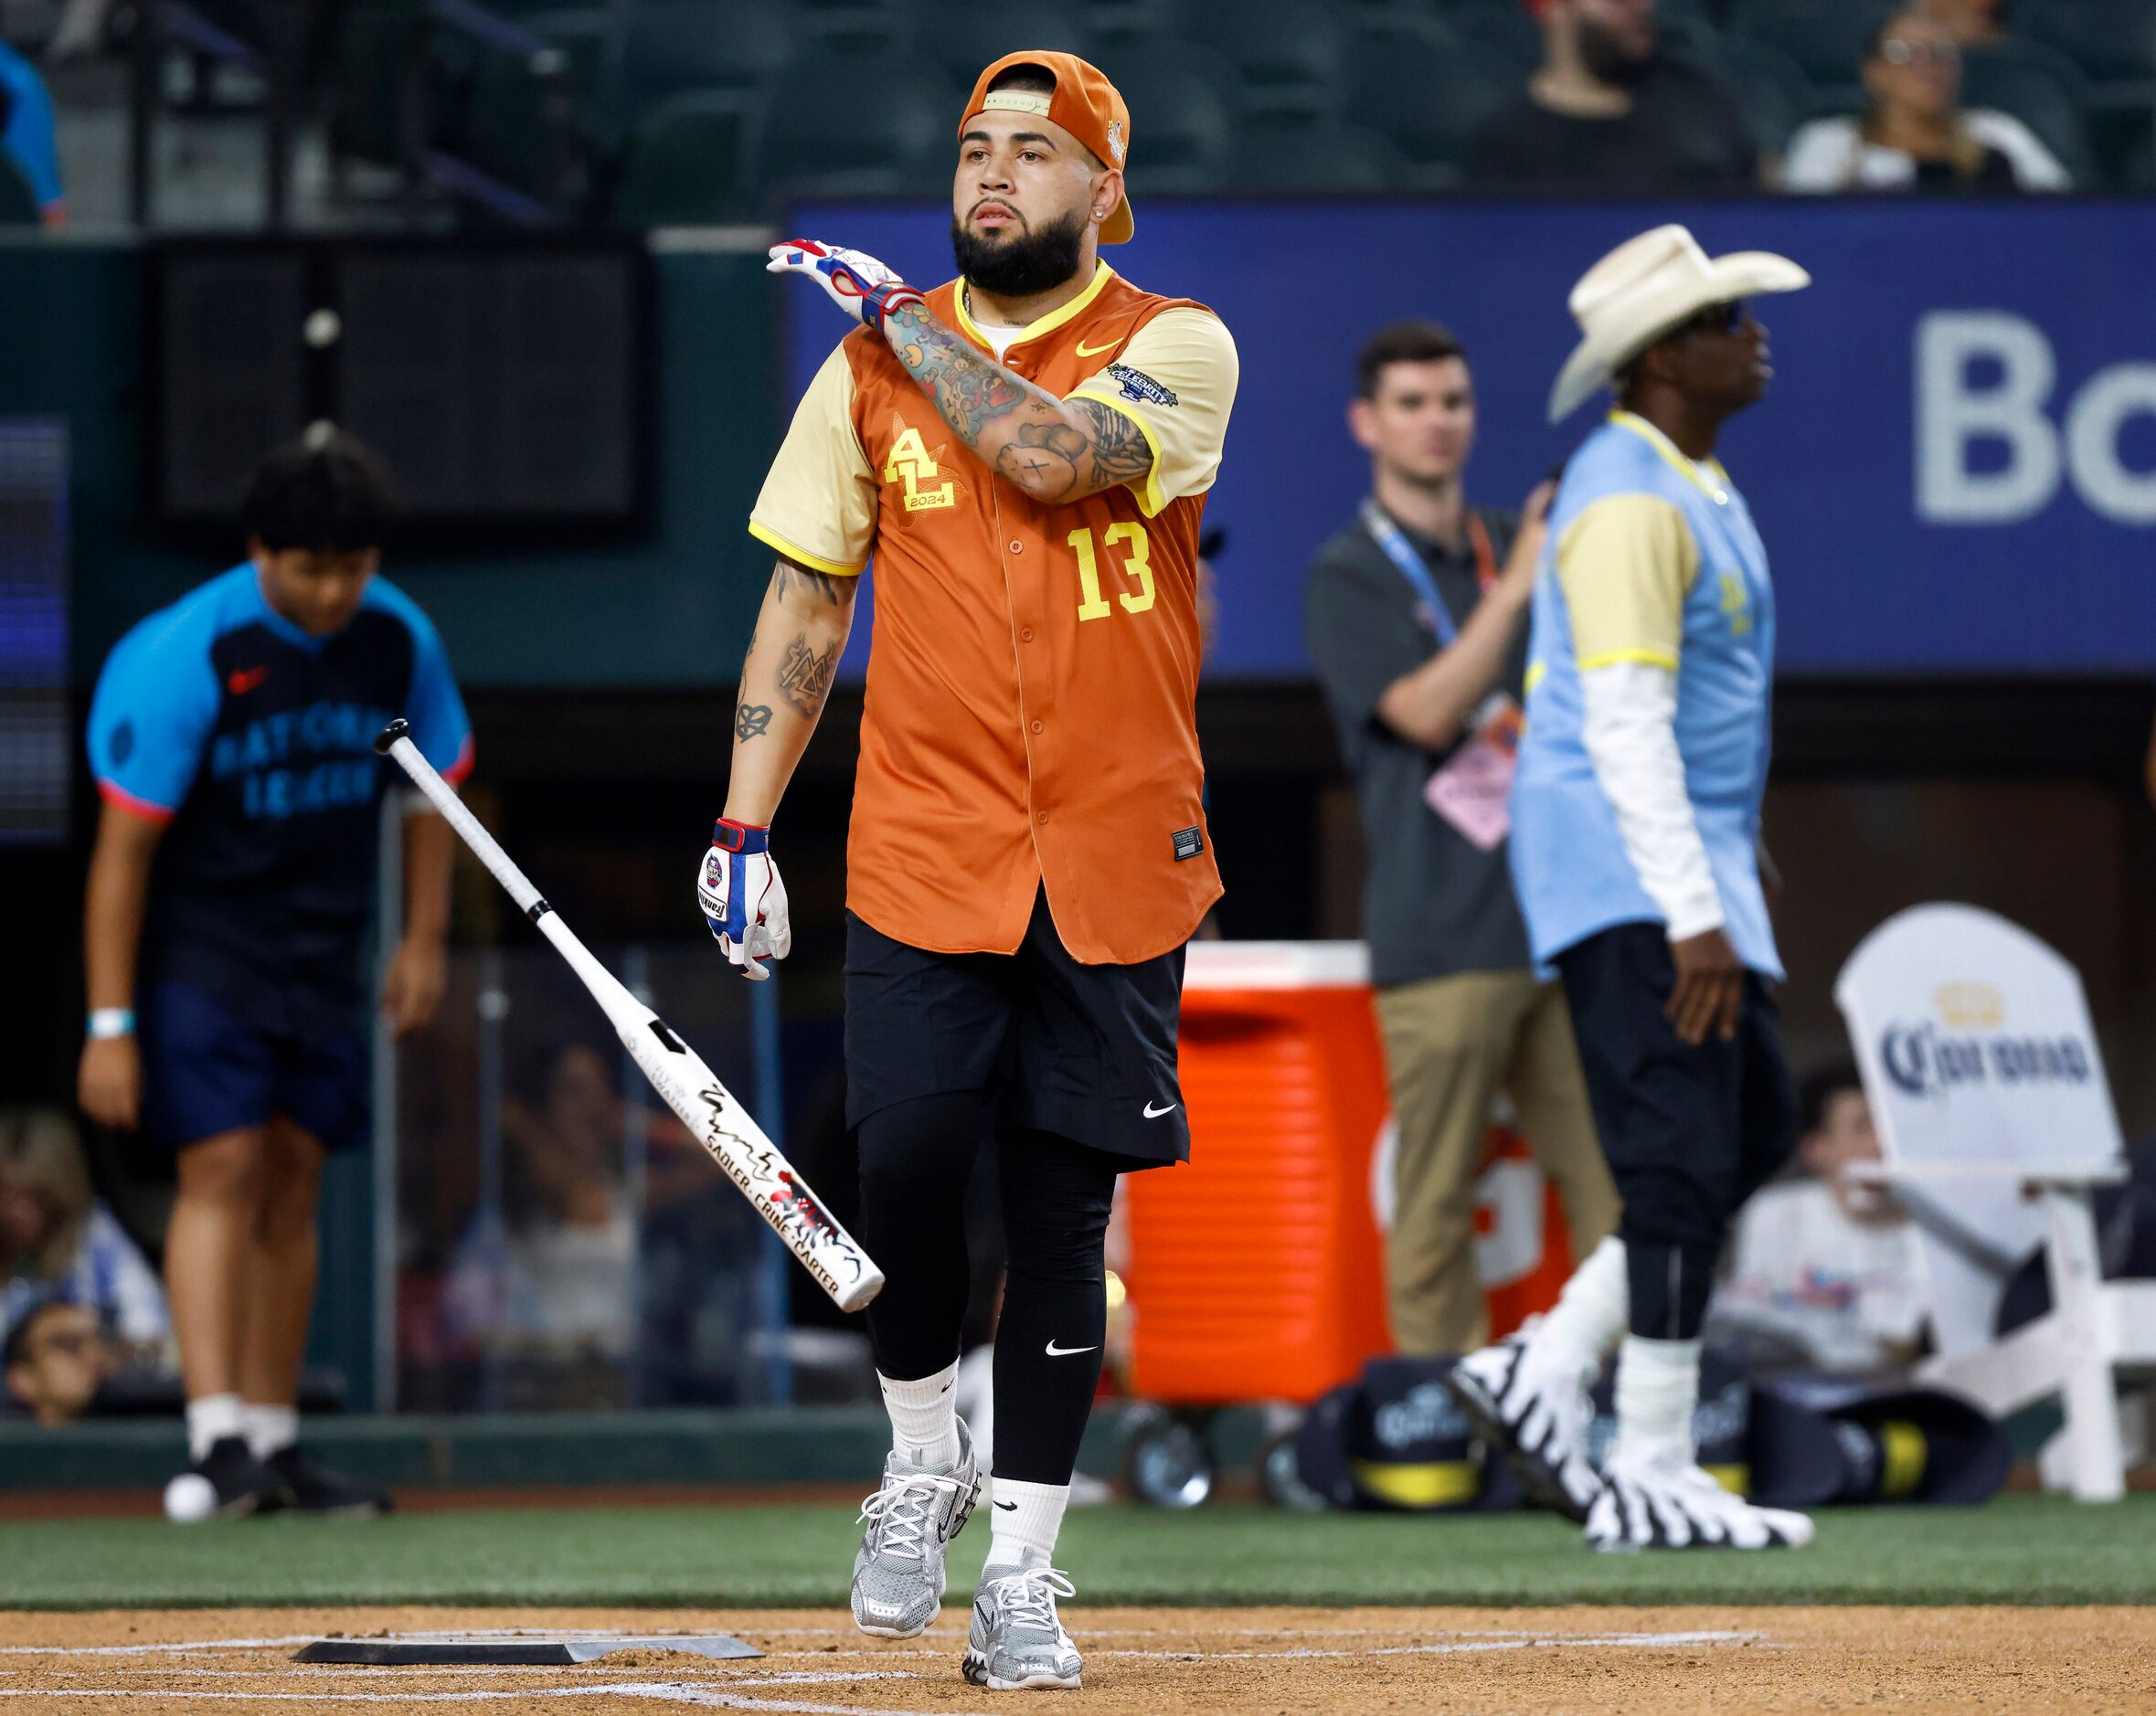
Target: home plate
{"points": [[512, 1649]]}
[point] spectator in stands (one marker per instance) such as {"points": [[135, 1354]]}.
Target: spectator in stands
{"points": [[54, 1362], [1608, 112], [1416, 619], [28, 144], [58, 1241], [1971, 23], [1825, 1272], [1915, 135]]}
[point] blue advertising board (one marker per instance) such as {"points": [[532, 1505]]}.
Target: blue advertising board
{"points": [[1955, 471]]}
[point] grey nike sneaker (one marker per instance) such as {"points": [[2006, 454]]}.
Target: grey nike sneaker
{"points": [[912, 1517], [1018, 1645]]}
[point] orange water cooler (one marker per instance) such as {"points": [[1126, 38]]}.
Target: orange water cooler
{"points": [[1256, 1272], [1256, 1269]]}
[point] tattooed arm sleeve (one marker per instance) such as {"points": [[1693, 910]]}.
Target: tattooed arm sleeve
{"points": [[1055, 450], [793, 659]]}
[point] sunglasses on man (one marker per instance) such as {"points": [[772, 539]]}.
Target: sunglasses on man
{"points": [[1728, 318]]}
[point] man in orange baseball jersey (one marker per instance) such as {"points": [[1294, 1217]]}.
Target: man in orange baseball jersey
{"points": [[1027, 452]]}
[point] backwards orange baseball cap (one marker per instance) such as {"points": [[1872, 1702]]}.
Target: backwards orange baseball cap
{"points": [[1084, 103]]}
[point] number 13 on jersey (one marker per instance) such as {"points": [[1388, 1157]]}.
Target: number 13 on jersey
{"points": [[1135, 567]]}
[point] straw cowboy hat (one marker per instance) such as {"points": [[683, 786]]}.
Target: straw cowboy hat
{"points": [[1646, 287]]}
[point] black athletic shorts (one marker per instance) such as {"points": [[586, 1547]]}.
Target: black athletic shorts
{"points": [[1700, 1127], [1087, 1051]]}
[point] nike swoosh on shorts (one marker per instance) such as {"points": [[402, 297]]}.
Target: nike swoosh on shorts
{"points": [[1056, 1352], [1152, 1113]]}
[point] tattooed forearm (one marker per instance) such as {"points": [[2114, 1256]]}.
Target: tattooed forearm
{"points": [[1053, 448], [1121, 451], [751, 721], [804, 676]]}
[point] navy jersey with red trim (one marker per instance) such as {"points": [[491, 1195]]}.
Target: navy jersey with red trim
{"points": [[255, 741]]}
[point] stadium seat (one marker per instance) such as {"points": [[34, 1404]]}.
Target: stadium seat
{"points": [[670, 46], [1772, 91], [1284, 153], [2112, 41], [1426, 90], [1501, 26], [1288, 53], [899, 118], [1825, 37], [2042, 88], [1182, 131], [693, 160], [963, 36]]}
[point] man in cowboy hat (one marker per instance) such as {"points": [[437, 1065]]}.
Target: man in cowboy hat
{"points": [[1635, 851], [1026, 450]]}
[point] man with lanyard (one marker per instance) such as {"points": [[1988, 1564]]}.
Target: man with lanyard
{"points": [[1635, 845], [1026, 450], [232, 738], [1418, 641]]}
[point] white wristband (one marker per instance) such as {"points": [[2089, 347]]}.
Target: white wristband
{"points": [[107, 1023]]}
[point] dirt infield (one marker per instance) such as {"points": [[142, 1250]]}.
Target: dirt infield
{"points": [[1139, 1662]]}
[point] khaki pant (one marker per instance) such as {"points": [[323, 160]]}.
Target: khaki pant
{"points": [[1452, 1044]]}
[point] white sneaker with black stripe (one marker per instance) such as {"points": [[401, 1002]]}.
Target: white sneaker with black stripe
{"points": [[1671, 1503], [1530, 1403]]}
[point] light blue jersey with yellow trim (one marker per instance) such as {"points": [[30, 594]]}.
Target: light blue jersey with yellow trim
{"points": [[1569, 865]]}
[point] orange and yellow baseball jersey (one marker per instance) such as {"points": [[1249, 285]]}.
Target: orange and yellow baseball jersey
{"points": [[1033, 677]]}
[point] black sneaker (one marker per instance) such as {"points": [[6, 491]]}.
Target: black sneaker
{"points": [[242, 1484], [316, 1489]]}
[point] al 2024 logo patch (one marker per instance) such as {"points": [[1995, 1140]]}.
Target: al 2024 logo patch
{"points": [[1137, 385]]}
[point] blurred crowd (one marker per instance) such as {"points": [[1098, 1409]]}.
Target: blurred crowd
{"points": [[646, 113]]}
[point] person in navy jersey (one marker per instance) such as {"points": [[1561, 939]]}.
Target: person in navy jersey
{"points": [[231, 735]]}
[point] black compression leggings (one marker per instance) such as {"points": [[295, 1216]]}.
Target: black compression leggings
{"points": [[916, 1157]]}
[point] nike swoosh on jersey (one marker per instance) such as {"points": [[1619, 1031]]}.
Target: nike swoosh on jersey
{"points": [[245, 680], [1056, 1352], [1152, 1113], [1094, 351]]}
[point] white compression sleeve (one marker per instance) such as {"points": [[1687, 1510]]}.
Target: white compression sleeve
{"points": [[1631, 738]]}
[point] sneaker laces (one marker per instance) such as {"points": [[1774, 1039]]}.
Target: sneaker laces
{"points": [[1028, 1595], [899, 1510]]}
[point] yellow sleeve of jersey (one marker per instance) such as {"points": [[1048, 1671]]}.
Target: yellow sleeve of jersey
{"points": [[1627, 564], [818, 503], [1175, 378]]}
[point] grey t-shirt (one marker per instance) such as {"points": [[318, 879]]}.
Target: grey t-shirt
{"points": [[1433, 902]]}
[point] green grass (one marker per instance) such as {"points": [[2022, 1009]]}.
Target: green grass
{"points": [[2019, 1549]]}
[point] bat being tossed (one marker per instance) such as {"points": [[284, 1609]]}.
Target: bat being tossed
{"points": [[691, 1089]]}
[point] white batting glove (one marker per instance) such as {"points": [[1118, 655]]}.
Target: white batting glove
{"points": [[744, 901], [858, 283]]}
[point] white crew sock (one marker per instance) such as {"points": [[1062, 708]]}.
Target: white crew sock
{"points": [[924, 1418], [271, 1429], [1027, 1516], [1589, 1319], [210, 1420], [1657, 1387]]}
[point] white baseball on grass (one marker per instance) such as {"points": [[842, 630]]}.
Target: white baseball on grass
{"points": [[190, 1499]]}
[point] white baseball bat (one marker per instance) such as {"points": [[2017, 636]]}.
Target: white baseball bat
{"points": [[691, 1088]]}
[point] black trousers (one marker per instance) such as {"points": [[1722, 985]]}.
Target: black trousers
{"points": [[1070, 1069], [1690, 1131]]}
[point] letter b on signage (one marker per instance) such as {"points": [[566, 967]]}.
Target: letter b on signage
{"points": [[1953, 416]]}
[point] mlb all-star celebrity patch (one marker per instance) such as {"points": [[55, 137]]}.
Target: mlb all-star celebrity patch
{"points": [[1138, 385]]}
